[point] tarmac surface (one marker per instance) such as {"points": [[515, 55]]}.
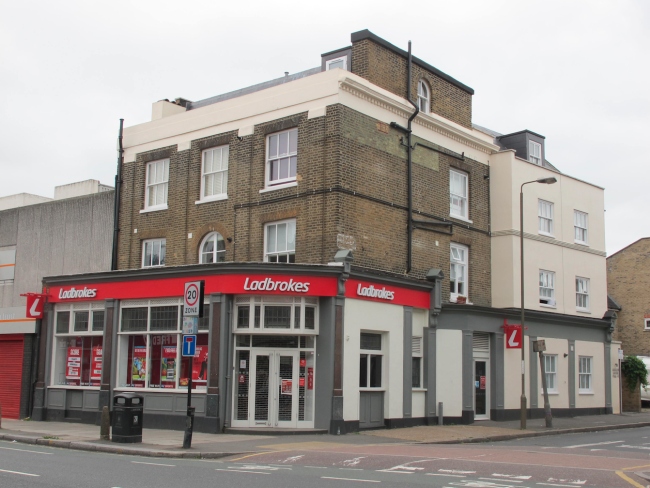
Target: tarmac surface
{"points": [[168, 443]]}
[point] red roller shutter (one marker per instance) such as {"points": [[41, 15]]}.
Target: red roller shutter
{"points": [[11, 369]]}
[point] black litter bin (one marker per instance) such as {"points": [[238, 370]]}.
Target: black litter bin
{"points": [[127, 417]]}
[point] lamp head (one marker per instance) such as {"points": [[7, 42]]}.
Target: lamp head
{"points": [[548, 181]]}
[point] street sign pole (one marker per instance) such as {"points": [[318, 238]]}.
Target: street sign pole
{"points": [[192, 310]]}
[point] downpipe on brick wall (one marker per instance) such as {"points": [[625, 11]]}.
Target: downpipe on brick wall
{"points": [[118, 185], [409, 152]]}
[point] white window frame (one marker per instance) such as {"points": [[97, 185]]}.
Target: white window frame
{"points": [[585, 377], [58, 361], [545, 213], [159, 187], [646, 323], [208, 177], [424, 97], [416, 353], [535, 152], [330, 62], [272, 254], [459, 203], [369, 353], [218, 256], [582, 294], [550, 370], [458, 260], [581, 227], [289, 180], [122, 344], [162, 244], [254, 311], [547, 282]]}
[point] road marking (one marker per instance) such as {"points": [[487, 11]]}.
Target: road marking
{"points": [[573, 482], [349, 479], [455, 471], [315, 467], [242, 471], [258, 454], [513, 476], [293, 459], [628, 479], [449, 475], [636, 467], [501, 479], [635, 447], [18, 472], [153, 464], [594, 444], [260, 466], [351, 469], [24, 450], [555, 484], [353, 461]]}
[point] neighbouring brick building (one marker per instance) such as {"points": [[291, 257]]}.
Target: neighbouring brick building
{"points": [[628, 284], [343, 232]]}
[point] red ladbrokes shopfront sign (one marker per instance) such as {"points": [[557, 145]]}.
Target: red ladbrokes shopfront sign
{"points": [[242, 284]]}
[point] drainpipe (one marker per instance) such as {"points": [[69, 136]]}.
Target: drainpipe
{"points": [[118, 184], [409, 152]]}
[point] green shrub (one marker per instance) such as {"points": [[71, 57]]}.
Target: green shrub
{"points": [[635, 371]]}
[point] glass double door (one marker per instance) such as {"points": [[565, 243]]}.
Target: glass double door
{"points": [[274, 388]]}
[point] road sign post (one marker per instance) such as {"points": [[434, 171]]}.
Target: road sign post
{"points": [[192, 311]]}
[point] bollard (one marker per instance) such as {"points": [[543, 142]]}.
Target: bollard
{"points": [[440, 416], [104, 429]]}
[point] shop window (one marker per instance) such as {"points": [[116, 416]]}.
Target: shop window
{"points": [[149, 353], [370, 361], [270, 314], [78, 345]]}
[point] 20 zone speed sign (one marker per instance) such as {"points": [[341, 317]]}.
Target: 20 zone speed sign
{"points": [[193, 299]]}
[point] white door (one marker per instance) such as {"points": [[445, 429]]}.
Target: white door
{"points": [[274, 389]]}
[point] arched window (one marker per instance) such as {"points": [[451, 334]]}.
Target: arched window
{"points": [[424, 99], [213, 249]]}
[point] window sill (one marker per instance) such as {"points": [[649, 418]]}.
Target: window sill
{"points": [[581, 243], [585, 392], [217, 198], [421, 390], [583, 310], [279, 187], [454, 299], [153, 209], [366, 388], [547, 306], [546, 234], [151, 267], [458, 217]]}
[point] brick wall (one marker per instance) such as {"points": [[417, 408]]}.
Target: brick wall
{"points": [[352, 181], [628, 283], [388, 69], [631, 398]]}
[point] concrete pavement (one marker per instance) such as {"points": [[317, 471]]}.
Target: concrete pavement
{"points": [[168, 443]]}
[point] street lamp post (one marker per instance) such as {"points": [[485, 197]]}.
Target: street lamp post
{"points": [[547, 181]]}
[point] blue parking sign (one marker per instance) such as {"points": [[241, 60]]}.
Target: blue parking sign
{"points": [[189, 345]]}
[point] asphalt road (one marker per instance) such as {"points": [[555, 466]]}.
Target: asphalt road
{"points": [[606, 460]]}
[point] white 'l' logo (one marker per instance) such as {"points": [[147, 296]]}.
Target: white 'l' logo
{"points": [[32, 311], [511, 341]]}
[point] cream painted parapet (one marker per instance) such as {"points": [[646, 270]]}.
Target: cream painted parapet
{"points": [[173, 125]]}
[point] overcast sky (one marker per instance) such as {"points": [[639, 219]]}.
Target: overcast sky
{"points": [[576, 72]]}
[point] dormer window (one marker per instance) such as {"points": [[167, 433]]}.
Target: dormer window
{"points": [[535, 152], [341, 62]]}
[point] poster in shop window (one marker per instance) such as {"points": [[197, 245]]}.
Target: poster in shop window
{"points": [[139, 369], [96, 365], [73, 364], [286, 387], [199, 368], [168, 367]]}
